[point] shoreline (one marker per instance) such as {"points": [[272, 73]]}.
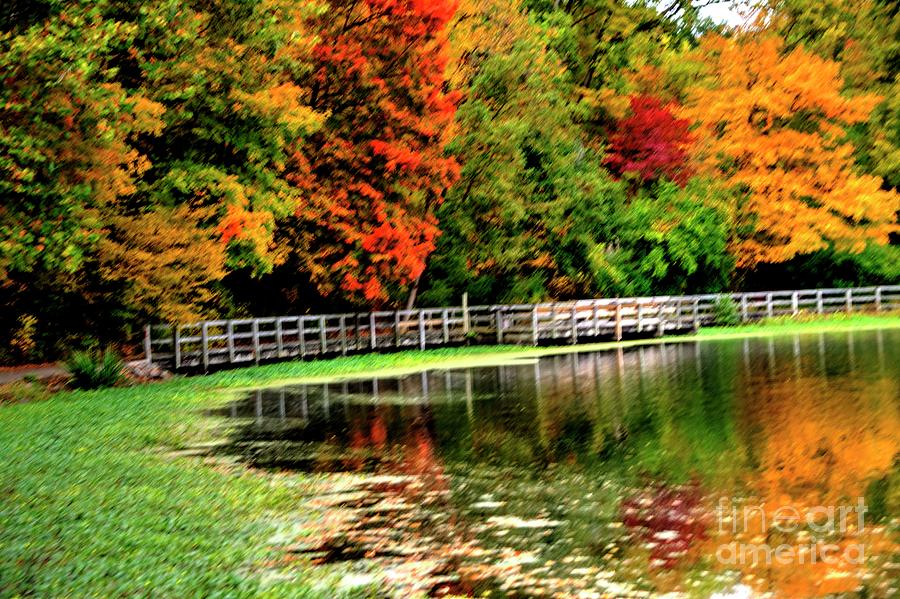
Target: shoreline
{"points": [[345, 368]]}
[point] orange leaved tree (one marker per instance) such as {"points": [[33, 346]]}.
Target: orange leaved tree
{"points": [[773, 123], [377, 169]]}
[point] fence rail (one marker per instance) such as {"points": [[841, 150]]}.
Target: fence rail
{"points": [[202, 345]]}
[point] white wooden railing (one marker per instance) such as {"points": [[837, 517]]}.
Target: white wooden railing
{"points": [[254, 340]]}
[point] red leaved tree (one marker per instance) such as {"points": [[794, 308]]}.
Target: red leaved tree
{"points": [[651, 143], [376, 170]]}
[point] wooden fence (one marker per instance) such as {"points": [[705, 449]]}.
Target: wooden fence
{"points": [[202, 345]]}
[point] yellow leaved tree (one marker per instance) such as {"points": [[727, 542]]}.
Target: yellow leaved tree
{"points": [[773, 123], [164, 260]]}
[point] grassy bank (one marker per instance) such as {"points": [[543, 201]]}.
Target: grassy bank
{"points": [[91, 504], [90, 507]]}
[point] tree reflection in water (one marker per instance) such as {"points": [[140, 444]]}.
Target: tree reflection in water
{"points": [[594, 472]]}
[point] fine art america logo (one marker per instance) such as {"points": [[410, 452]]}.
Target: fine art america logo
{"points": [[811, 529]]}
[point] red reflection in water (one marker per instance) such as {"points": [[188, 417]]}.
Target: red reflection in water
{"points": [[670, 521]]}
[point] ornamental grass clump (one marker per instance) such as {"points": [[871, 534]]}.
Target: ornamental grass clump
{"points": [[95, 370]]}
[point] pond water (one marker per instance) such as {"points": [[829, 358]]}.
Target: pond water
{"points": [[756, 467]]}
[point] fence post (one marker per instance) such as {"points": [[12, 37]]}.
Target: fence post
{"points": [[696, 314], [343, 325], [301, 335], [279, 338], [553, 320], [535, 333], [640, 316], [255, 329], [421, 329], [820, 304], [373, 334], [204, 339], [229, 332], [618, 321], [661, 320], [877, 306], [595, 319], [769, 308], [574, 323], [467, 324], [148, 350], [498, 317], [323, 340], [176, 342], [445, 325], [849, 295], [396, 328], [745, 315], [795, 303]]}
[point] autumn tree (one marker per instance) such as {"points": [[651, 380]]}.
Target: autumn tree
{"points": [[528, 208], [667, 239], [163, 259], [535, 215], [184, 158], [229, 75], [67, 140], [603, 43], [377, 170], [650, 144], [142, 151], [773, 124], [863, 37]]}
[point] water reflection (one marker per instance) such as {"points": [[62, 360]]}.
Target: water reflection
{"points": [[600, 472]]}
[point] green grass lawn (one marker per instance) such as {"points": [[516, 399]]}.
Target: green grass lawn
{"points": [[92, 505]]}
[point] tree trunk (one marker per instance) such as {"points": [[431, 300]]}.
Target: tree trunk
{"points": [[411, 301]]}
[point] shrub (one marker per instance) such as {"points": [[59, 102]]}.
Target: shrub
{"points": [[93, 370], [726, 312]]}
